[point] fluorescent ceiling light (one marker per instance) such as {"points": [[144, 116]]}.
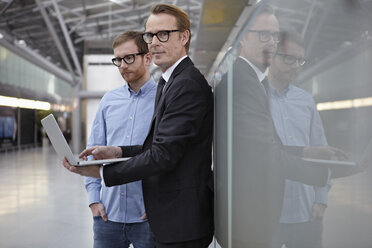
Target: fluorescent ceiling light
{"points": [[120, 2], [24, 103], [21, 42], [345, 104]]}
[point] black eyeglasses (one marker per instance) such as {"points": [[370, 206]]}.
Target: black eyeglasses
{"points": [[265, 36], [128, 59], [290, 59], [163, 36]]}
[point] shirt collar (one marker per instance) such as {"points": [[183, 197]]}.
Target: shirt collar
{"points": [[144, 89], [283, 93], [166, 75], [261, 75]]}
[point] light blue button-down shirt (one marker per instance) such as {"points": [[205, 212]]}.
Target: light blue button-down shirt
{"points": [[298, 123], [123, 118]]}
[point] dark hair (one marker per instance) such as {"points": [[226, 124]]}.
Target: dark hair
{"points": [[182, 19], [131, 35], [291, 36], [257, 10]]}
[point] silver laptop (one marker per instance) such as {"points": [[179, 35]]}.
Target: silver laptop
{"points": [[367, 155], [63, 149]]}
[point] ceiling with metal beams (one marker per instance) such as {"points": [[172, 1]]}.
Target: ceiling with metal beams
{"points": [[327, 25], [62, 31], [72, 27]]}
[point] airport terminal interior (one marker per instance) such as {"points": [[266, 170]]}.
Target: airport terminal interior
{"points": [[55, 58]]}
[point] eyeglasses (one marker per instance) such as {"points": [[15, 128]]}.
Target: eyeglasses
{"points": [[163, 36], [128, 59], [265, 36], [290, 59]]}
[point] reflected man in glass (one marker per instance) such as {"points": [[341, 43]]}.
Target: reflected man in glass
{"points": [[297, 123], [261, 163]]}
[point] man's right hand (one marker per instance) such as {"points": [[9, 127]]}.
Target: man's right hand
{"points": [[101, 152], [98, 210], [324, 152]]}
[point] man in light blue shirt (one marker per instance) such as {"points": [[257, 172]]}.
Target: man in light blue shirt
{"points": [[123, 118], [298, 123]]}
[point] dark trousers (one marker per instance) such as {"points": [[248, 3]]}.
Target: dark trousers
{"points": [[198, 243], [300, 235]]}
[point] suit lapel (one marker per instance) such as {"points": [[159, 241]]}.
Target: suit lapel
{"points": [[180, 67], [260, 94], [243, 66]]}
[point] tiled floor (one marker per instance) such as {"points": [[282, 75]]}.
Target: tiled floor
{"points": [[42, 205], [348, 219]]}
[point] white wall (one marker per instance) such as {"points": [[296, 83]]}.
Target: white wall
{"points": [[100, 75]]}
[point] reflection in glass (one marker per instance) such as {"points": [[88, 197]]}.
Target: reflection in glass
{"points": [[274, 125]]}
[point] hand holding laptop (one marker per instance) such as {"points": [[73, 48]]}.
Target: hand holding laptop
{"points": [[98, 153], [88, 171], [335, 159], [338, 161], [63, 149]]}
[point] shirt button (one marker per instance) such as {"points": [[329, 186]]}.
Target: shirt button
{"points": [[134, 99], [128, 136], [122, 194], [130, 117]]}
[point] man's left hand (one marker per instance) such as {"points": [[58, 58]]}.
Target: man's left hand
{"points": [[317, 211], [88, 171]]}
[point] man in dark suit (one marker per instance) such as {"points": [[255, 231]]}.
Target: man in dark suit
{"points": [[174, 162], [260, 162]]}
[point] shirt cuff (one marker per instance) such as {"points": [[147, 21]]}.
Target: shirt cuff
{"points": [[321, 195], [294, 150], [101, 174], [93, 197]]}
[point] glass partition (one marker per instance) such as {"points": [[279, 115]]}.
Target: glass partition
{"points": [[293, 118], [18, 72]]}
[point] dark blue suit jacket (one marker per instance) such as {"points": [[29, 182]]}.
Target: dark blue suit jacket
{"points": [[174, 162]]}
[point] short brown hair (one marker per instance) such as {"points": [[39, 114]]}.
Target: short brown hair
{"points": [[182, 19], [128, 36], [291, 36]]}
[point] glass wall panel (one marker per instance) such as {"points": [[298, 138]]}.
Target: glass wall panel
{"points": [[3, 71], [19, 72], [293, 137]]}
